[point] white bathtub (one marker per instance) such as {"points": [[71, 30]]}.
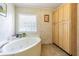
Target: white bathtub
{"points": [[28, 46]]}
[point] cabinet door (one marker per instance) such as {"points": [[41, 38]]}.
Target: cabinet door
{"points": [[66, 13], [56, 40], [61, 34], [56, 16], [66, 35], [61, 13], [53, 18], [53, 34]]}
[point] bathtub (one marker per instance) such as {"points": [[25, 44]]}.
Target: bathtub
{"points": [[28, 46]]}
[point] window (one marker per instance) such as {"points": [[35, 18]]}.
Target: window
{"points": [[27, 23]]}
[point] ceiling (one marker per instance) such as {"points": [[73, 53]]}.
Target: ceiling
{"points": [[38, 5]]}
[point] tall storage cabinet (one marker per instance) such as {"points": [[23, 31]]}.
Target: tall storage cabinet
{"points": [[64, 27], [55, 27]]}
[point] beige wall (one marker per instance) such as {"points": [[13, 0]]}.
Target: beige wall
{"points": [[44, 28]]}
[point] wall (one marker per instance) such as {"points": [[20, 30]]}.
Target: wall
{"points": [[44, 28], [7, 23]]}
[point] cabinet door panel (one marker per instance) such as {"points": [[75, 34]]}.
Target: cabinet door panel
{"points": [[56, 16], [60, 34], [66, 40], [56, 40], [53, 32], [61, 9], [66, 13]]}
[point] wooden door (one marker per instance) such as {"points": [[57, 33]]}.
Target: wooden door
{"points": [[53, 27], [53, 33], [56, 16], [66, 12], [56, 40], [66, 35], [61, 34], [61, 13]]}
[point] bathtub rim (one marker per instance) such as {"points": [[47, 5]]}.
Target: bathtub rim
{"points": [[13, 53]]}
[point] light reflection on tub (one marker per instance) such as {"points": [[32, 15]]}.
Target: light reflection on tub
{"points": [[28, 46]]}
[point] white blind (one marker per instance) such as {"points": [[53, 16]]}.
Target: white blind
{"points": [[27, 23]]}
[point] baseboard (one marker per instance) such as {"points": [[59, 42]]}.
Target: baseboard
{"points": [[62, 49]]}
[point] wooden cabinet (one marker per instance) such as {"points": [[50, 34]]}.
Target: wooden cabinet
{"points": [[56, 16], [61, 13], [56, 31], [65, 27], [61, 34], [66, 12], [66, 36], [53, 26]]}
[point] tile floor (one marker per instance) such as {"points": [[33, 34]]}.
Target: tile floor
{"points": [[52, 50]]}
